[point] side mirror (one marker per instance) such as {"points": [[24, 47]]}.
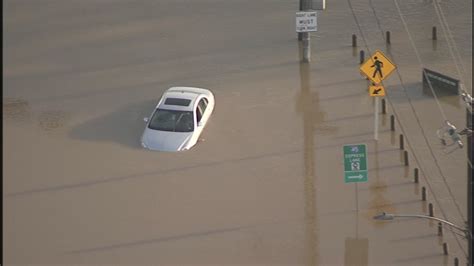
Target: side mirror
{"points": [[145, 119]]}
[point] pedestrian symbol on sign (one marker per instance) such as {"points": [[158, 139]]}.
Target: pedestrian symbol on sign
{"points": [[354, 149], [355, 166], [378, 67]]}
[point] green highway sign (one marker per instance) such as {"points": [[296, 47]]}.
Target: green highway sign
{"points": [[355, 163]]}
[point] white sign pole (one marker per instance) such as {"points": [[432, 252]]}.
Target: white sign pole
{"points": [[306, 22], [306, 47], [376, 119]]}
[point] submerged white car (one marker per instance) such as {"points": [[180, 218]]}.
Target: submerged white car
{"points": [[178, 119]]}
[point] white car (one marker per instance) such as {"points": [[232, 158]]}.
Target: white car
{"points": [[178, 119]]}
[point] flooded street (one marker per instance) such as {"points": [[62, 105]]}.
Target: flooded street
{"points": [[265, 183]]}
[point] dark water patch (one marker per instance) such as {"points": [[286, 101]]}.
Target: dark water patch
{"points": [[16, 110], [52, 120]]}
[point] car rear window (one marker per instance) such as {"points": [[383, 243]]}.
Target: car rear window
{"points": [[177, 101]]}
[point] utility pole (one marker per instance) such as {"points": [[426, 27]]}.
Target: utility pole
{"points": [[305, 5], [469, 102], [300, 34], [470, 184]]}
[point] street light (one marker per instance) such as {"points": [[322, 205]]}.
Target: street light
{"points": [[388, 216]]}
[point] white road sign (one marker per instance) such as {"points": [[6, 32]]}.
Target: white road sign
{"points": [[306, 21]]}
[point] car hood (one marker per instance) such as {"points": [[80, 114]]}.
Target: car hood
{"points": [[165, 140]]}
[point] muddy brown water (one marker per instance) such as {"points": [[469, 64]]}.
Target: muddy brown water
{"points": [[264, 186]]}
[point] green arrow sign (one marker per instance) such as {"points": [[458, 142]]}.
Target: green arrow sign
{"points": [[355, 163]]}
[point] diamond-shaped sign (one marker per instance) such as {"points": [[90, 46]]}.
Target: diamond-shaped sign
{"points": [[377, 67]]}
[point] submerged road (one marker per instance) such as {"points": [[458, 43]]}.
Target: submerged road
{"points": [[265, 185]]}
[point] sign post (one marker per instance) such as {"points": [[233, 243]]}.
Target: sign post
{"points": [[376, 91], [355, 166], [377, 68]]}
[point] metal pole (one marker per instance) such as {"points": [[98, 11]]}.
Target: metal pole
{"points": [[430, 208], [304, 5], [357, 210], [432, 218], [300, 34], [306, 47], [357, 197], [392, 123], [389, 216], [384, 107], [376, 119], [435, 37], [361, 57], [470, 185], [304, 36]]}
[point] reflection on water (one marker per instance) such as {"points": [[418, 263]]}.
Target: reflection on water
{"points": [[356, 251], [52, 120], [17, 110], [378, 203], [304, 105], [435, 45], [308, 105], [424, 207], [448, 94]]}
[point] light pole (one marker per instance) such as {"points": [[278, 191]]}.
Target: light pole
{"points": [[467, 233], [469, 103], [388, 216]]}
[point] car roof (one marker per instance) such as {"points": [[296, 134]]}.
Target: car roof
{"points": [[180, 95]]}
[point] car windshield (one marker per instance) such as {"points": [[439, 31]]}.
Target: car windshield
{"points": [[171, 120]]}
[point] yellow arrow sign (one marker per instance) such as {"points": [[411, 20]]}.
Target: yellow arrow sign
{"points": [[376, 91], [377, 67]]}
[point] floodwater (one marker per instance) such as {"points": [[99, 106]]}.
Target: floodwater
{"points": [[265, 184]]}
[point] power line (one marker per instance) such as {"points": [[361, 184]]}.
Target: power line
{"points": [[397, 118], [416, 116], [449, 38], [437, 101]]}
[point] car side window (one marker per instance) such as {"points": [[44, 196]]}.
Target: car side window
{"points": [[203, 104], [198, 113]]}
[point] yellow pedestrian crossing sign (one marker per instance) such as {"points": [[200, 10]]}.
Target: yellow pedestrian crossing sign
{"points": [[377, 67], [376, 90]]}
